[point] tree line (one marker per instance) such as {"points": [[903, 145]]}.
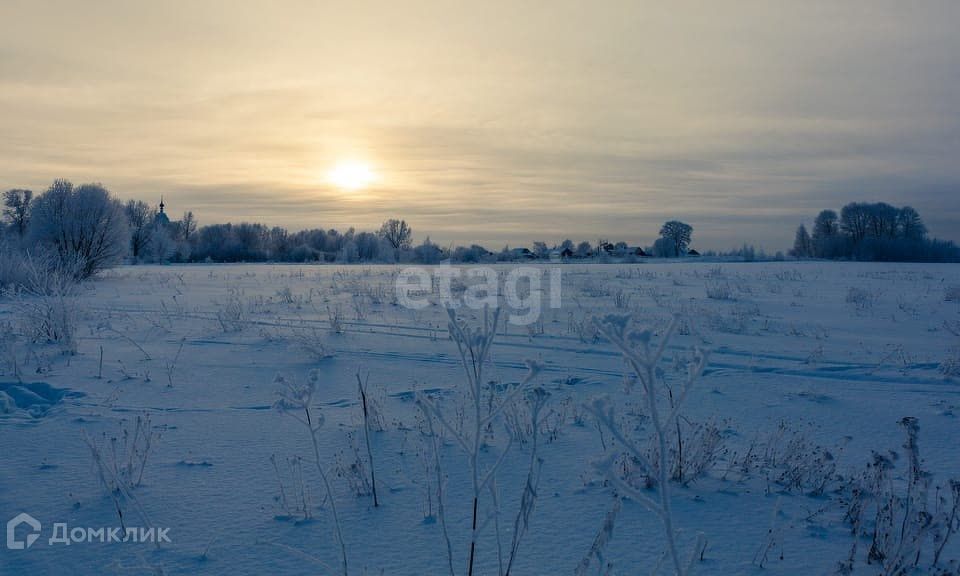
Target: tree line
{"points": [[87, 224], [872, 232], [88, 229]]}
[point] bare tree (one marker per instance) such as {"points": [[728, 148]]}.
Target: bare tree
{"points": [[876, 231], [428, 252], [882, 218], [909, 224], [84, 223], [140, 219], [826, 229], [161, 246], [855, 220], [584, 249], [16, 209], [802, 243], [188, 226], [826, 225], [398, 234], [679, 236]]}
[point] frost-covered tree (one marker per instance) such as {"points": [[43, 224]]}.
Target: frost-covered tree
{"points": [[855, 220], [910, 225], [81, 223], [876, 221], [878, 232], [584, 250], [16, 209], [859, 220], [184, 234], [253, 241], [348, 252], [161, 246], [140, 221], [540, 249], [368, 246], [398, 234], [826, 225], [280, 244], [802, 243], [882, 220], [473, 253], [678, 234], [663, 248], [826, 229], [428, 252], [187, 226], [213, 242]]}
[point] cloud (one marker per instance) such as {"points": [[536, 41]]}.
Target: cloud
{"points": [[493, 122]]}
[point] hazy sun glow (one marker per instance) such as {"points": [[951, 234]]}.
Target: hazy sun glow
{"points": [[351, 175]]}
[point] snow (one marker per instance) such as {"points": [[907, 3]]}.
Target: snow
{"points": [[198, 347]]}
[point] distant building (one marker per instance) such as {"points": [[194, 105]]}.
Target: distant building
{"points": [[162, 217], [566, 253], [522, 254], [693, 252], [638, 251]]}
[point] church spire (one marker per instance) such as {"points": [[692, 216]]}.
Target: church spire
{"points": [[161, 204]]}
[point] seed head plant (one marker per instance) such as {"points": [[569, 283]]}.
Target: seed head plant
{"points": [[483, 409], [643, 357], [296, 401]]}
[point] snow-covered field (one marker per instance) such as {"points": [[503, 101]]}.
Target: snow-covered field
{"points": [[811, 367]]}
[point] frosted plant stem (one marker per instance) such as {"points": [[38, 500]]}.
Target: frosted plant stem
{"points": [[473, 347], [441, 510], [366, 436], [326, 485], [474, 464], [666, 516], [643, 362]]}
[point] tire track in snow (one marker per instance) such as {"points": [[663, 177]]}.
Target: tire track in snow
{"points": [[423, 333], [837, 371]]}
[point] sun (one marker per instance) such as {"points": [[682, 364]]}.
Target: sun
{"points": [[351, 175]]}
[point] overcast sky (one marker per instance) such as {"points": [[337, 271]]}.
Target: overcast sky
{"points": [[492, 122]]}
